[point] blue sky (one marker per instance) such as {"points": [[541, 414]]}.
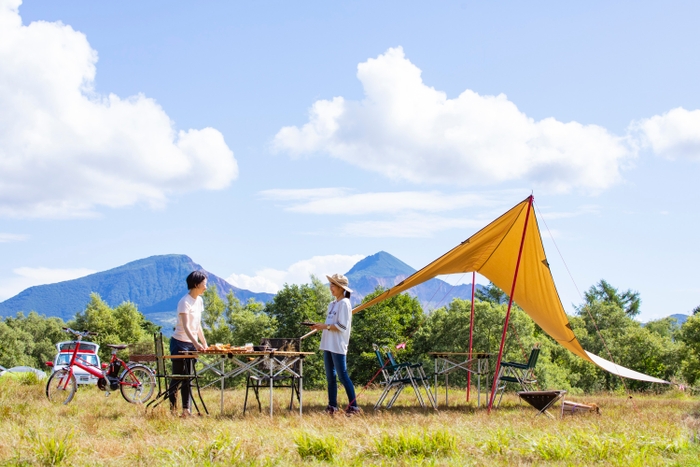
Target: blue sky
{"points": [[270, 140]]}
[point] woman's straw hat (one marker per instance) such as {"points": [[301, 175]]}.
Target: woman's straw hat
{"points": [[340, 280]]}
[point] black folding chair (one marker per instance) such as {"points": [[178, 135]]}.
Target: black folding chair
{"points": [[289, 378], [164, 378]]}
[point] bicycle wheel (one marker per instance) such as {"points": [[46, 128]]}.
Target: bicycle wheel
{"points": [[137, 384], [60, 389]]}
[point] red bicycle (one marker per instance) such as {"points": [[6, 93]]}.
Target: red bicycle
{"points": [[136, 382]]}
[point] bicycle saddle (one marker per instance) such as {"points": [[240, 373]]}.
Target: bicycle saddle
{"points": [[117, 346]]}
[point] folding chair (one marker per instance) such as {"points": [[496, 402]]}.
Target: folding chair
{"points": [[522, 374], [164, 378], [542, 400], [393, 379], [417, 375], [397, 376], [285, 379]]}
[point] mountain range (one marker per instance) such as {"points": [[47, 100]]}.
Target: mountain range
{"points": [[385, 270], [154, 284], [157, 283]]}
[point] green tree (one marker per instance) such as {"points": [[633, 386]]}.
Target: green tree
{"points": [[492, 294], [665, 327], [605, 326], [628, 300], [447, 329], [121, 325], [214, 324], [249, 322], [689, 336], [33, 339], [294, 304], [15, 346]]}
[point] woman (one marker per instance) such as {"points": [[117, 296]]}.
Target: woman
{"points": [[334, 343], [188, 336]]}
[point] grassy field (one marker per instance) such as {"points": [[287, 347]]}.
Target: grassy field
{"points": [[99, 430]]}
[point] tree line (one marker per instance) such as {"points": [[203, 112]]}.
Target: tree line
{"points": [[604, 323]]}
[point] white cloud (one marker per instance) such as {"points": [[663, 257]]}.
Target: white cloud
{"points": [[342, 201], [580, 211], [407, 130], [674, 135], [26, 277], [8, 237], [64, 149], [410, 225], [272, 280]]}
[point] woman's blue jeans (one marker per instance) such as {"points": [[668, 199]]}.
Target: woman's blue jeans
{"points": [[336, 363], [181, 366]]}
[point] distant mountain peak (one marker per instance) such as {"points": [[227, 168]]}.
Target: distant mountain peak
{"points": [[155, 284], [380, 264]]}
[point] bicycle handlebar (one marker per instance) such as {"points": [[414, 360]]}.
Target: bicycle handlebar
{"points": [[79, 333]]}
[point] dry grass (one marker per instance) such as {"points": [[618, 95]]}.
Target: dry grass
{"points": [[95, 430]]}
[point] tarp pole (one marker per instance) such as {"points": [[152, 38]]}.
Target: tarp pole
{"points": [[494, 386], [471, 335]]}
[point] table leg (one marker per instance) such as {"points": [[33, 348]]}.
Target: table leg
{"points": [[271, 376], [478, 382], [447, 404], [222, 385], [435, 374], [301, 384]]}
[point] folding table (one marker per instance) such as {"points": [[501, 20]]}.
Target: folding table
{"points": [[446, 362], [268, 364]]}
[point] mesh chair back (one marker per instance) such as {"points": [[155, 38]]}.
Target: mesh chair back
{"points": [[378, 354], [391, 358], [160, 362], [532, 361]]}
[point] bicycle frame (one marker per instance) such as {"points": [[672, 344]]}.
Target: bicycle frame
{"points": [[76, 361], [83, 364], [135, 382]]}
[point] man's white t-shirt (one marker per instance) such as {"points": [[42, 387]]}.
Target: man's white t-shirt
{"points": [[340, 315], [194, 308]]}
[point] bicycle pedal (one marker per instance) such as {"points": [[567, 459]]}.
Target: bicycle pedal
{"points": [[107, 393]]}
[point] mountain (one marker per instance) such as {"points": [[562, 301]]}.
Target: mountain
{"points": [[385, 270], [154, 284], [680, 318]]}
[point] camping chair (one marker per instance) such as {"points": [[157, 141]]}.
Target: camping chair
{"points": [[164, 378], [286, 371], [522, 374], [417, 375], [393, 379], [396, 377]]}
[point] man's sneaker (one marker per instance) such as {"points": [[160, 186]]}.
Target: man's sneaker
{"points": [[353, 410], [330, 410]]}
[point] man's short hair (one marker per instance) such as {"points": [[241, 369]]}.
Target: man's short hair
{"points": [[195, 278]]}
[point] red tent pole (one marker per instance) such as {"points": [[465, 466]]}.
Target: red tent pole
{"points": [[471, 334], [494, 386]]}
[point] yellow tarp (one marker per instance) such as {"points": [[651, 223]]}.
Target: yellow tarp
{"points": [[493, 253]]}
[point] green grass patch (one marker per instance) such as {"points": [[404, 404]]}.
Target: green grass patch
{"points": [[323, 448], [425, 445]]}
